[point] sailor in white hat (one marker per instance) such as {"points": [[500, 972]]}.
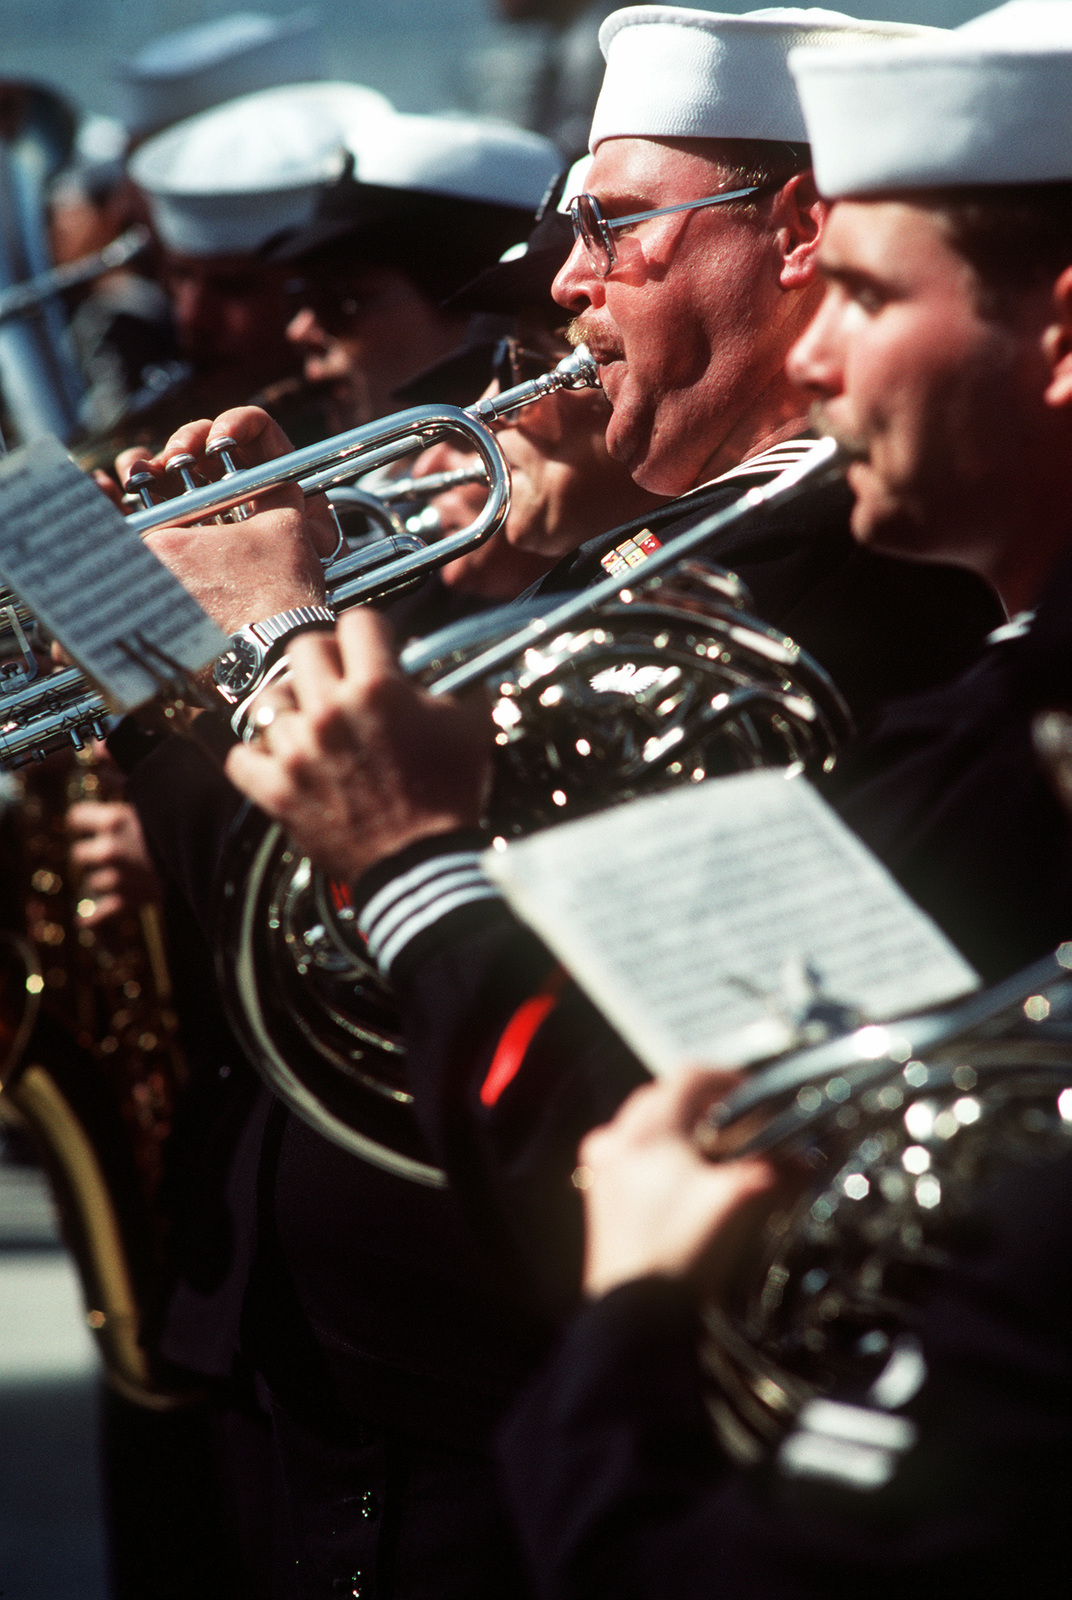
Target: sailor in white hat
{"points": [[690, 299], [691, 311], [940, 351], [431, 201], [219, 186], [942, 356], [183, 73]]}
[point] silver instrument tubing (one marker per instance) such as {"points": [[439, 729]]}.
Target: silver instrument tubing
{"points": [[30, 294], [323, 466], [874, 1050], [826, 461], [431, 484], [45, 712]]}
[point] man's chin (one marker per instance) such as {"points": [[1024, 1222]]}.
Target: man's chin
{"points": [[881, 522]]}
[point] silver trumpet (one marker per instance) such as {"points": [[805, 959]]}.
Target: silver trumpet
{"points": [[40, 714]]}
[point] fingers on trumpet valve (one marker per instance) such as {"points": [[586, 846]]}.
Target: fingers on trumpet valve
{"points": [[200, 452]]}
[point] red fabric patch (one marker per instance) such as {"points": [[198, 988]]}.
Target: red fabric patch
{"points": [[517, 1036]]}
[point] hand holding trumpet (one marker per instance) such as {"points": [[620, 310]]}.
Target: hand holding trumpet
{"points": [[243, 571]]}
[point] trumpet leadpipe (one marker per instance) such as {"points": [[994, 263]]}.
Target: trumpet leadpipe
{"points": [[48, 712], [326, 465], [432, 483]]}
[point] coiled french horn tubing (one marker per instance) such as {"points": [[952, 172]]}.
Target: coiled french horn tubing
{"points": [[634, 685], [899, 1126]]}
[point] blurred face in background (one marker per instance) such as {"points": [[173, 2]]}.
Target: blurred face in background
{"points": [[231, 314], [565, 487], [361, 334]]}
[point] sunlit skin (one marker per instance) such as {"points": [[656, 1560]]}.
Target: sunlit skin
{"points": [[963, 416], [692, 327], [565, 489], [242, 572], [655, 1205], [231, 314], [393, 332]]}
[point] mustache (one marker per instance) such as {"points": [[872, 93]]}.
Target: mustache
{"points": [[853, 445], [581, 332], [577, 332]]}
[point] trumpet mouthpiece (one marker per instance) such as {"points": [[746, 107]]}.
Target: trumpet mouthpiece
{"points": [[581, 367]]}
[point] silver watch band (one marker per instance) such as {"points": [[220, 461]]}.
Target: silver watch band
{"points": [[284, 623]]}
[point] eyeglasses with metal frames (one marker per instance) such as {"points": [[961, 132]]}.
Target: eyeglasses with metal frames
{"points": [[596, 231]]}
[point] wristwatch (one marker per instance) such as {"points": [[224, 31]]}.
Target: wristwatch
{"points": [[238, 672]]}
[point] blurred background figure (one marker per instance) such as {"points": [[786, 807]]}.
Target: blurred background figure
{"points": [[122, 326], [550, 79], [219, 187], [180, 74], [429, 202]]}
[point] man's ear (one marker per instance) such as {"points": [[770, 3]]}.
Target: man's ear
{"points": [[1057, 344], [799, 215]]}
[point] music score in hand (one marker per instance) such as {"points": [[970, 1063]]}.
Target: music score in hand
{"points": [[73, 560], [703, 922]]}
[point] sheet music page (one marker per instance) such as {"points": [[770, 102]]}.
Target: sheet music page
{"points": [[68, 553], [689, 918]]}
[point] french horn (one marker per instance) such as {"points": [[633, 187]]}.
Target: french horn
{"points": [[898, 1126], [634, 685]]}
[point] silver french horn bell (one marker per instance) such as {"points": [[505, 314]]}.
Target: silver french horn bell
{"points": [[899, 1125], [617, 692]]}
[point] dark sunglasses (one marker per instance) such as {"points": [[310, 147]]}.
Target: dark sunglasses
{"points": [[512, 363]]}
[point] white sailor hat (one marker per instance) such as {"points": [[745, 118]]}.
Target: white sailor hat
{"points": [[674, 73], [464, 158], [226, 182], [182, 73], [988, 103]]}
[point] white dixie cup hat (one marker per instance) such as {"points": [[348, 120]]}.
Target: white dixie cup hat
{"points": [[225, 182], [182, 73], [987, 103], [676, 73], [464, 158]]}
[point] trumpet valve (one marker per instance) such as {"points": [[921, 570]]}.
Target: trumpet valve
{"points": [[184, 464], [140, 484], [224, 448]]}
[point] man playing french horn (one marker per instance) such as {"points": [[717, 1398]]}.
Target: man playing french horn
{"points": [[943, 354], [378, 1328]]}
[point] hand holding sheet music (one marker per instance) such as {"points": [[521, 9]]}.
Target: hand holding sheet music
{"points": [[69, 555], [690, 918]]}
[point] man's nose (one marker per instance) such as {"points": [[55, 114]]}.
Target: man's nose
{"points": [[303, 329], [814, 362], [577, 284]]}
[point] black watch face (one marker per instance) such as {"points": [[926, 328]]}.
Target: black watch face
{"points": [[236, 669]]}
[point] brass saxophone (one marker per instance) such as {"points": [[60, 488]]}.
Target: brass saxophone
{"points": [[93, 1071]]}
